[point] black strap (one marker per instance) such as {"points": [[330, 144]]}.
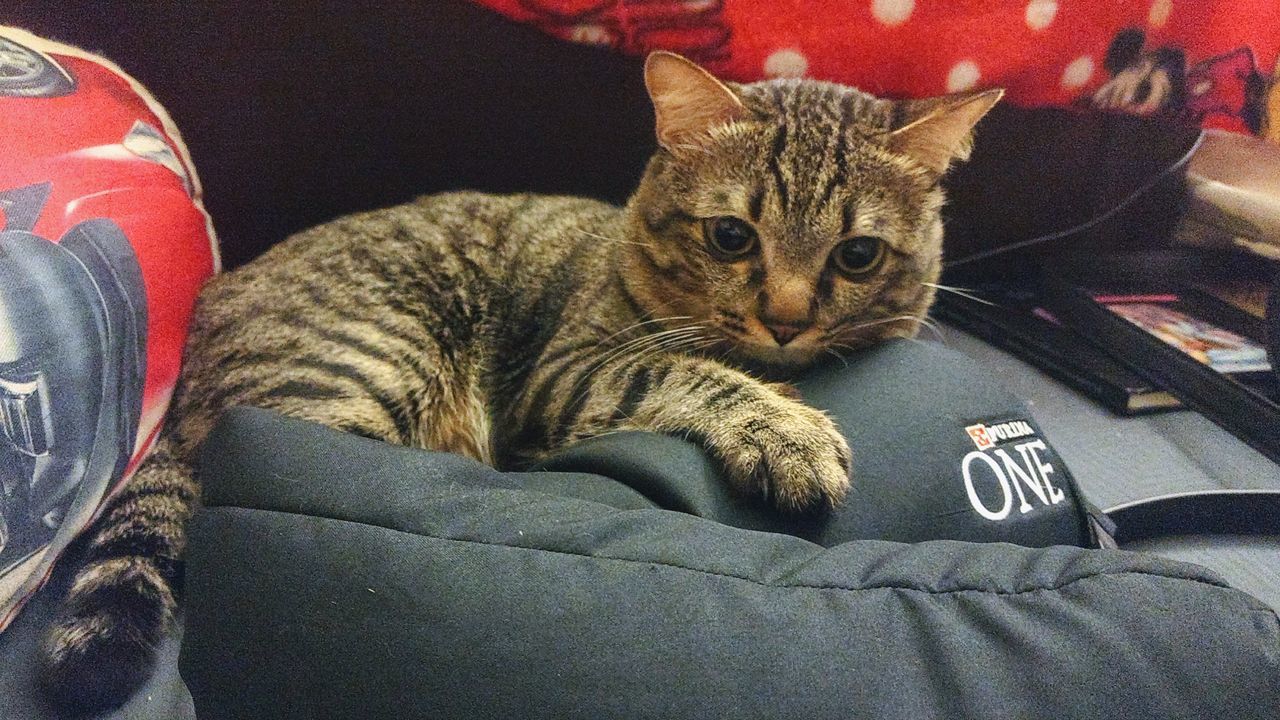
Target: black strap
{"points": [[1101, 528], [1201, 512]]}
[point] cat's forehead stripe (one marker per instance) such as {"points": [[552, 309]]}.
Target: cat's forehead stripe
{"points": [[775, 165], [835, 114], [755, 203]]}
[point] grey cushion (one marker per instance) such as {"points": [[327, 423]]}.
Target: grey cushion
{"points": [[337, 577]]}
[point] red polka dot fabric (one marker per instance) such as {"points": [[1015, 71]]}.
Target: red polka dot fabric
{"points": [[1212, 62]]}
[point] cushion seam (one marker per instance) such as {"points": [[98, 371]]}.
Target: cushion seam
{"points": [[756, 581]]}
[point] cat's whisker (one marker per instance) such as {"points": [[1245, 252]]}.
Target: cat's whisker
{"points": [[666, 345], [658, 337], [636, 354], [853, 324], [832, 351], [966, 293], [648, 336], [680, 343], [934, 327], [840, 326], [642, 323], [699, 344], [847, 348], [635, 343], [673, 342], [940, 286], [673, 346], [922, 321], [635, 346]]}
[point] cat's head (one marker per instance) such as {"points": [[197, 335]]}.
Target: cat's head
{"points": [[791, 217]]}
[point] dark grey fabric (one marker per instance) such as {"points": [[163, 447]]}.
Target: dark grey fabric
{"points": [[385, 588]]}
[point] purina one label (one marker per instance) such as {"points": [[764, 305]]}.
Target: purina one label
{"points": [[1011, 466]]}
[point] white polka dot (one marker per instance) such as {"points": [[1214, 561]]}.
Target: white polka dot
{"points": [[1040, 13], [591, 35], [1159, 13], [963, 76], [786, 64], [892, 12], [1077, 72]]}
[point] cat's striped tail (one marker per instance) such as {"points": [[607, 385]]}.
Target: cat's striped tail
{"points": [[122, 602]]}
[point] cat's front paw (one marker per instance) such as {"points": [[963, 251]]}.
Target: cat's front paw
{"points": [[792, 454]]}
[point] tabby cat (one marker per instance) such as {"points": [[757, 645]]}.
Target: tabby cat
{"points": [[777, 221]]}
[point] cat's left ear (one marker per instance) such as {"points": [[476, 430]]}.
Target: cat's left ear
{"points": [[688, 101], [936, 131]]}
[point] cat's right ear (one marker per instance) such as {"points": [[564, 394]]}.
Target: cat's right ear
{"points": [[687, 101]]}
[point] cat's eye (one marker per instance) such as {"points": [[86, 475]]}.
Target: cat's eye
{"points": [[728, 237], [858, 256]]}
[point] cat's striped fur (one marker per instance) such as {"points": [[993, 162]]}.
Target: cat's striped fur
{"points": [[503, 328]]}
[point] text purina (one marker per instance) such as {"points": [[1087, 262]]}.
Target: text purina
{"points": [[988, 436]]}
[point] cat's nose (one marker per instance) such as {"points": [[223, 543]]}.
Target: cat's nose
{"points": [[784, 333], [786, 307]]}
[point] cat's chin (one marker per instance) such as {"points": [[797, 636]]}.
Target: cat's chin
{"points": [[784, 359]]}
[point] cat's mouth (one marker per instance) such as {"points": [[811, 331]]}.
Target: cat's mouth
{"points": [[788, 356], [753, 341], [760, 346]]}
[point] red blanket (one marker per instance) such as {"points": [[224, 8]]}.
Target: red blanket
{"points": [[1211, 62]]}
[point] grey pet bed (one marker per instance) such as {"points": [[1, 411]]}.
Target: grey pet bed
{"points": [[333, 576]]}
